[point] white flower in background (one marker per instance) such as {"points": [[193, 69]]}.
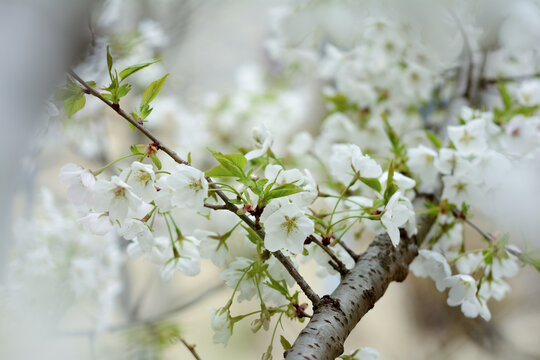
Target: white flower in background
{"points": [[279, 176], [433, 265], [495, 289], [80, 183], [522, 135], [212, 247], [469, 138], [116, 197], [403, 182], [301, 144], [469, 263], [348, 160], [222, 325], [262, 141], [528, 93], [141, 178], [190, 187], [463, 292], [287, 228], [456, 189], [184, 258], [504, 267], [421, 161], [395, 215], [133, 229], [97, 223], [239, 273], [446, 162], [449, 240]]}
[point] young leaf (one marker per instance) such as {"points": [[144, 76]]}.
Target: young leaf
{"points": [[134, 68], [109, 61], [286, 344], [391, 188], [373, 183], [219, 171], [232, 164], [123, 90], [506, 97], [74, 103], [156, 161], [281, 191], [153, 90], [434, 139]]}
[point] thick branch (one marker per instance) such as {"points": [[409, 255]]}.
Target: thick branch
{"points": [[337, 314]]}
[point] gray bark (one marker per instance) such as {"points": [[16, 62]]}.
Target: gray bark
{"points": [[337, 314]]}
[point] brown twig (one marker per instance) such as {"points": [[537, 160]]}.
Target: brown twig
{"points": [[336, 263], [191, 349]]}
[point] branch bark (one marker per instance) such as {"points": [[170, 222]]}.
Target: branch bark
{"points": [[337, 315]]}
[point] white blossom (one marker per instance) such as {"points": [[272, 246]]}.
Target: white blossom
{"points": [[190, 187], [347, 160], [431, 264], [421, 161], [395, 215], [212, 247], [287, 228], [239, 273], [116, 197], [141, 178], [263, 140], [80, 183], [222, 325], [469, 138], [133, 229], [463, 293]]}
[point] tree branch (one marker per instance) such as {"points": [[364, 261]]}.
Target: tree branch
{"points": [[337, 264], [337, 315], [312, 296], [191, 349]]}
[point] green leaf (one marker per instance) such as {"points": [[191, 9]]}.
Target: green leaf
{"points": [[391, 188], [91, 83], [278, 286], [109, 60], [373, 183], [286, 344], [434, 139], [531, 258], [505, 96], [153, 90], [137, 149], [156, 161], [123, 90], [74, 103], [134, 68], [281, 191], [232, 165], [390, 132], [219, 171]]}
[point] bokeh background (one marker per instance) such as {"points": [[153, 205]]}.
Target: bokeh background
{"points": [[91, 301]]}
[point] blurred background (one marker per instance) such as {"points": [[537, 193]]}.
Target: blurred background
{"points": [[67, 294]]}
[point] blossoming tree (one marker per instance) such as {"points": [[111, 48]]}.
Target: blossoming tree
{"points": [[411, 145]]}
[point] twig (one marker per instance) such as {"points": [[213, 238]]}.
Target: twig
{"points": [[191, 348], [228, 205], [337, 264], [349, 251], [459, 215], [215, 207]]}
